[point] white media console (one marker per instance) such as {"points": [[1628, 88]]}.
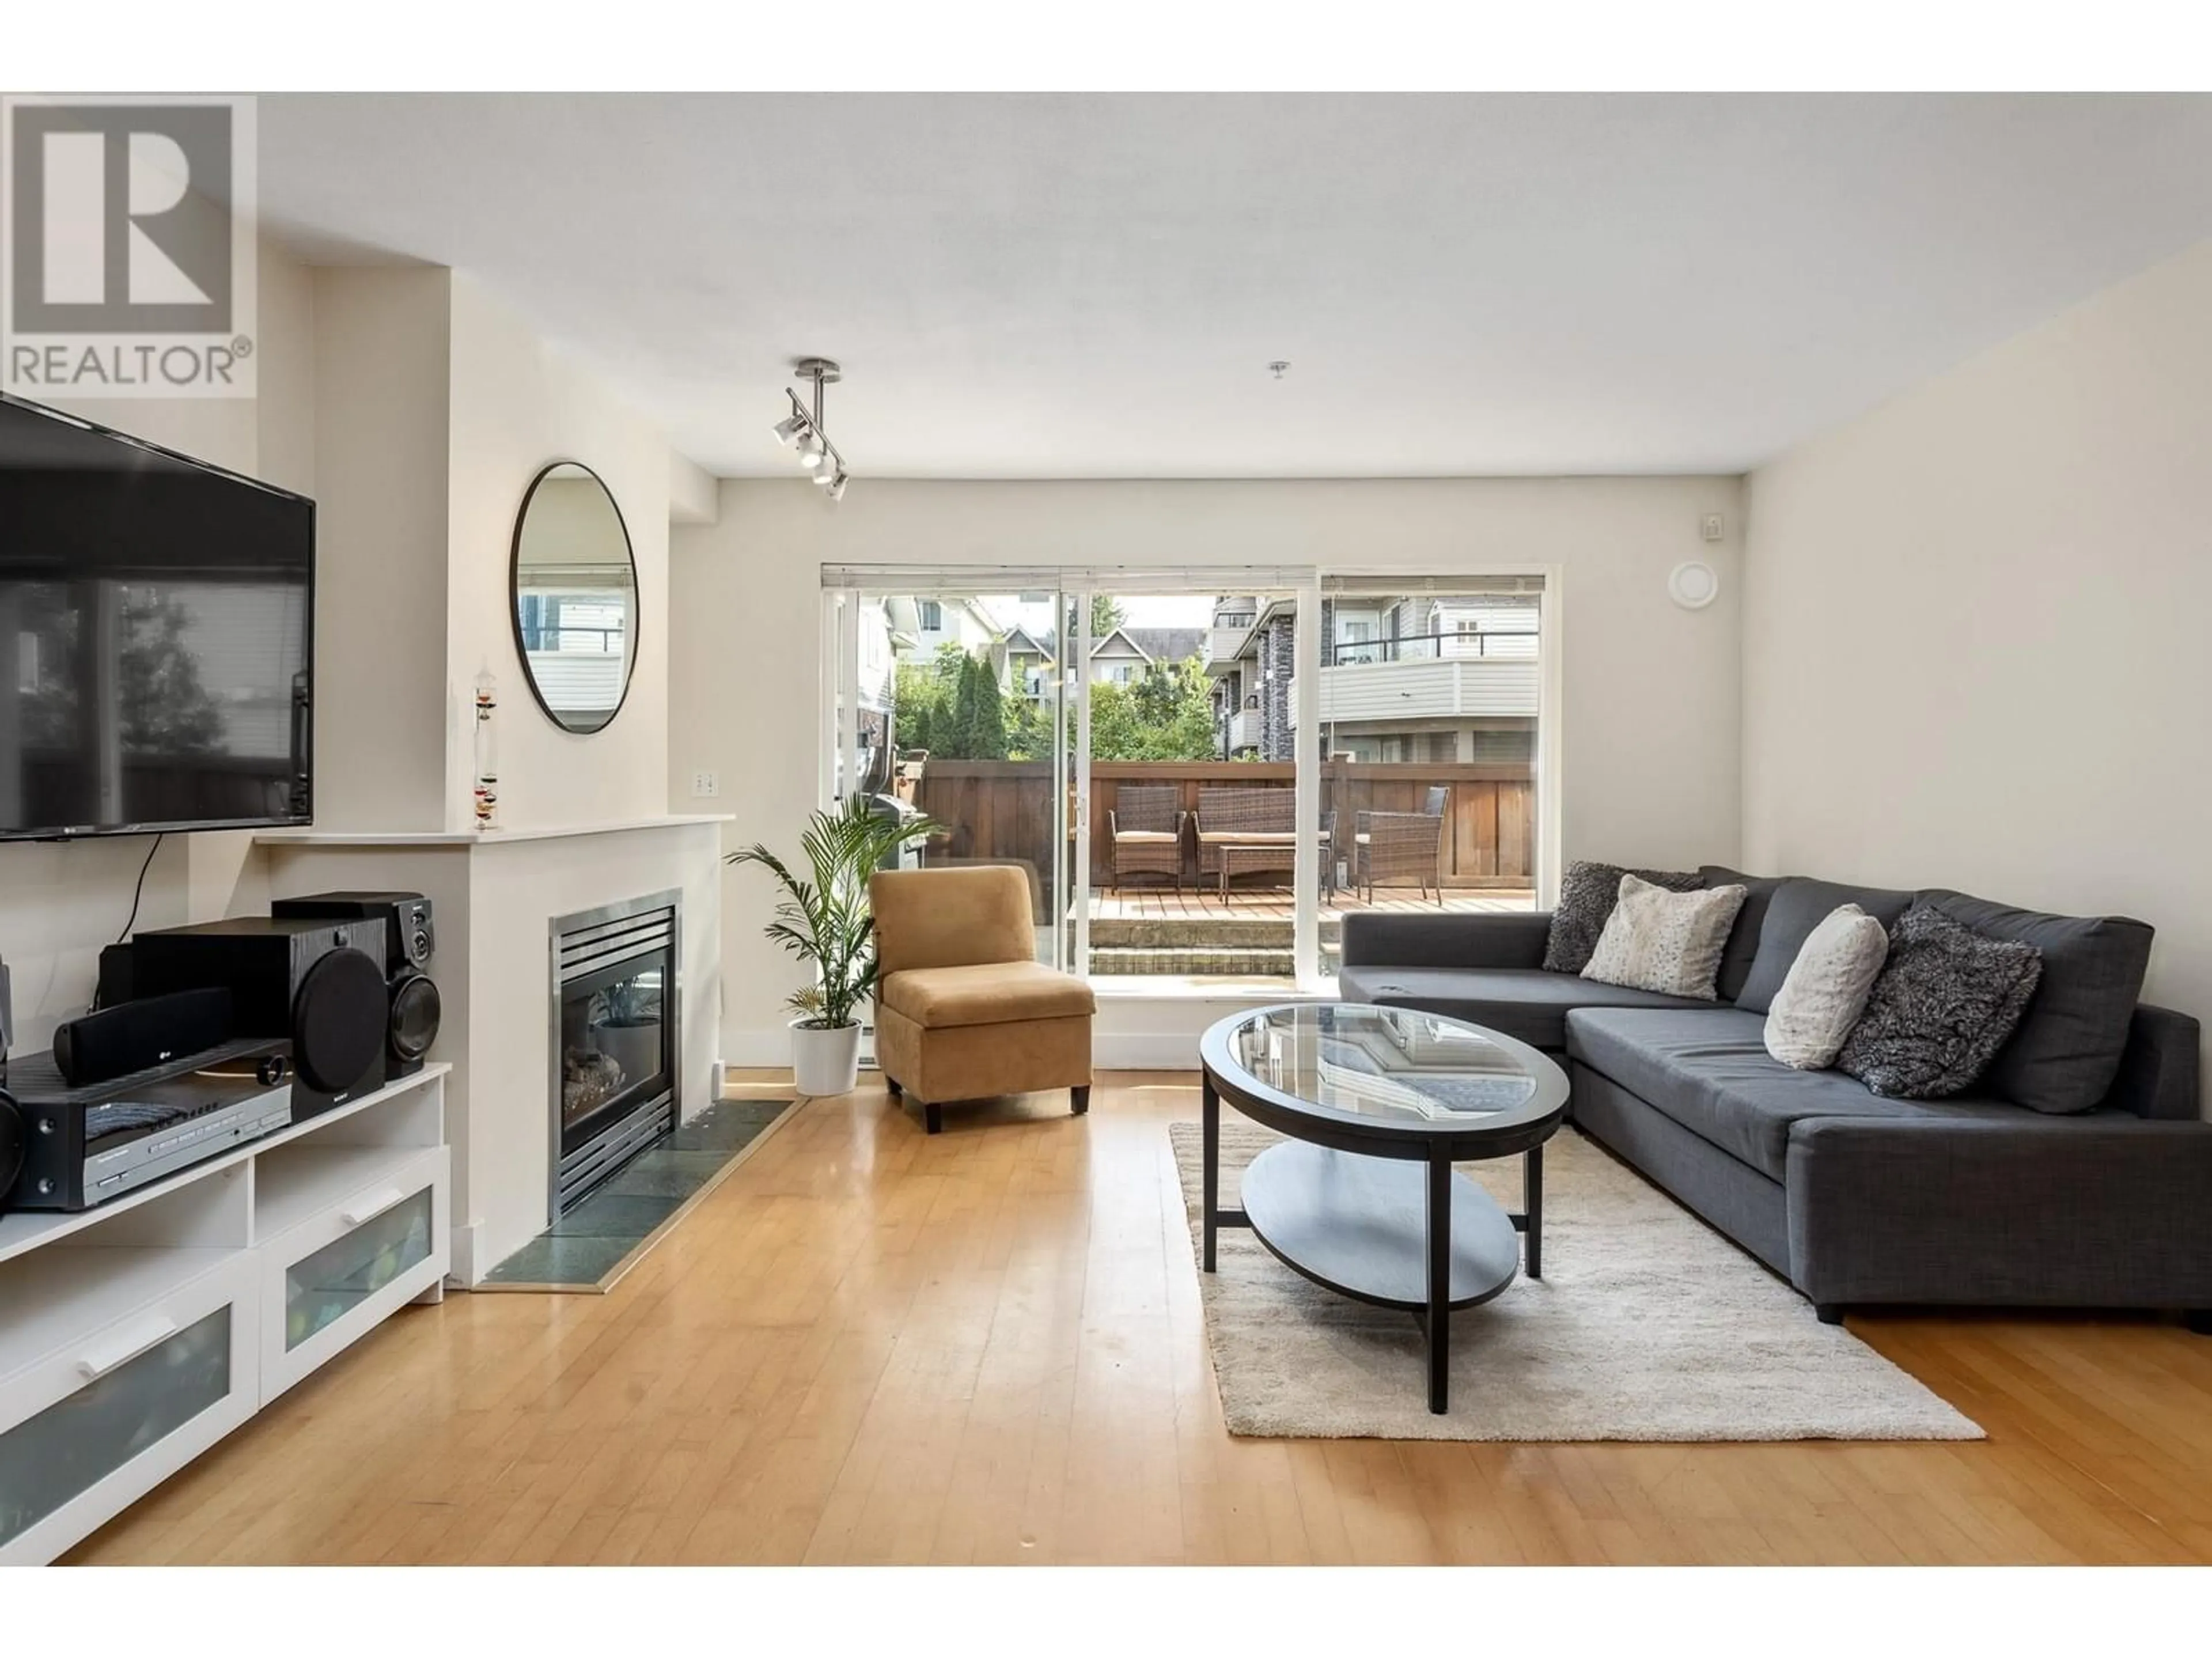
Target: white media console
{"points": [[134, 1336]]}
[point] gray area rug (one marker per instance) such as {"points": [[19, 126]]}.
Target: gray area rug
{"points": [[1647, 1326]]}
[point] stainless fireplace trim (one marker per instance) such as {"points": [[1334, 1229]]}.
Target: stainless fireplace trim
{"points": [[671, 900]]}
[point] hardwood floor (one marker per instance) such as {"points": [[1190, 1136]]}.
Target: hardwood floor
{"points": [[872, 1345]]}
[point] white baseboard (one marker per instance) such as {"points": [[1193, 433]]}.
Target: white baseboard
{"points": [[465, 1240], [1144, 1051], [1162, 1048]]}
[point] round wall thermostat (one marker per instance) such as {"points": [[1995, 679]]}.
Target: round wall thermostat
{"points": [[1694, 585]]}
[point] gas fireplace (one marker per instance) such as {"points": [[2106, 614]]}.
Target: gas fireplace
{"points": [[614, 1049]]}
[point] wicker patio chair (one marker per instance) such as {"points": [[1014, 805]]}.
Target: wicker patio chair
{"points": [[1393, 849], [1248, 831], [1146, 827]]}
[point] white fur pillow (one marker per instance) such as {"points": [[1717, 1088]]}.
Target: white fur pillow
{"points": [[1657, 940], [1827, 988]]}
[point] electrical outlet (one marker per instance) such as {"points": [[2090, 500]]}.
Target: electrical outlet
{"points": [[705, 785], [1709, 526]]}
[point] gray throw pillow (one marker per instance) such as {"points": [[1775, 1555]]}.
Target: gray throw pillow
{"points": [[1587, 896], [1941, 1010]]}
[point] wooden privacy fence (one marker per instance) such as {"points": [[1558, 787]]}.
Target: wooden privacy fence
{"points": [[1004, 808]]}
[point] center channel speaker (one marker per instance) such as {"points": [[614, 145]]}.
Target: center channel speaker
{"points": [[317, 981], [409, 943]]}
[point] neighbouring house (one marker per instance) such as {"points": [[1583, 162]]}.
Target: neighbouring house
{"points": [[1404, 677], [1025, 663], [933, 621], [1250, 659], [1027, 657]]}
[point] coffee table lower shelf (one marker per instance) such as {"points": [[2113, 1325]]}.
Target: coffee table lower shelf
{"points": [[1359, 1226]]}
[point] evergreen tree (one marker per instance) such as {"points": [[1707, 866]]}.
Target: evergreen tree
{"points": [[1106, 616], [987, 739]]}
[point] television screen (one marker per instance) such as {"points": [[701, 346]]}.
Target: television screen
{"points": [[156, 637]]}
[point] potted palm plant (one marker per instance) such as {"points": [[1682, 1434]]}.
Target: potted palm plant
{"points": [[822, 917]]}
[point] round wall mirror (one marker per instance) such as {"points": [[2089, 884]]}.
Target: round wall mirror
{"points": [[575, 587]]}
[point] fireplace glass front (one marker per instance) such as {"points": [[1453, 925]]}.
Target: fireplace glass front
{"points": [[615, 1088]]}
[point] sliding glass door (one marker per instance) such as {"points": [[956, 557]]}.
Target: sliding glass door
{"points": [[1192, 784], [1199, 773], [948, 703], [1430, 713]]}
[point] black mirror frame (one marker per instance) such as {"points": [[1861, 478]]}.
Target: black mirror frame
{"points": [[514, 599]]}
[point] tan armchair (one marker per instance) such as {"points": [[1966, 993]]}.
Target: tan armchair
{"points": [[964, 1011]]}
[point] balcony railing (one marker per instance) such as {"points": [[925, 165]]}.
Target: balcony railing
{"points": [[1002, 810], [1429, 648], [1447, 688]]}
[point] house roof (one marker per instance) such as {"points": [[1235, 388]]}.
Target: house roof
{"points": [[1169, 644]]}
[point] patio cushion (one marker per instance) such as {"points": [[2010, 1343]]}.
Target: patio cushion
{"points": [[1249, 837], [986, 994], [1527, 1003], [1161, 835]]}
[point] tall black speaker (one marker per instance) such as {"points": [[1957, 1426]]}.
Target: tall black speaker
{"points": [[319, 983], [410, 941]]}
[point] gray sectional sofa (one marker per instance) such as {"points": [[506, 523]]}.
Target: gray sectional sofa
{"points": [[2098, 1194]]}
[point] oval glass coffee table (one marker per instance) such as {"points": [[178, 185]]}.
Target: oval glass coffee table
{"points": [[1377, 1104]]}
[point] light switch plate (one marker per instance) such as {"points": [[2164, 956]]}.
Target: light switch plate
{"points": [[705, 785]]}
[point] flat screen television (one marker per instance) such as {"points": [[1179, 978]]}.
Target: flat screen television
{"points": [[157, 626]]}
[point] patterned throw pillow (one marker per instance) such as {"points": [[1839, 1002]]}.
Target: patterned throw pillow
{"points": [[1586, 900], [1657, 940], [1941, 1010]]}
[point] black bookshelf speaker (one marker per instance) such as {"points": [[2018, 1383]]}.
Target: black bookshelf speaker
{"points": [[410, 940], [131, 1036], [11, 1146], [319, 983]]}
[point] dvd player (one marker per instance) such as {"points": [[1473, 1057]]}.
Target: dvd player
{"points": [[85, 1146]]}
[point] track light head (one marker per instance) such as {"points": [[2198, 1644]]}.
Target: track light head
{"points": [[804, 427]]}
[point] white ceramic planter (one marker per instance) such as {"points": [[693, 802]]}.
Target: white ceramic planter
{"points": [[825, 1063]]}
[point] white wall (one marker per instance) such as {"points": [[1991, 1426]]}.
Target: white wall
{"points": [[1975, 626], [60, 903], [381, 376], [1650, 722], [517, 405]]}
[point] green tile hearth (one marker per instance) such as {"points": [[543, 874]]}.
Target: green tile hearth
{"points": [[611, 1226]]}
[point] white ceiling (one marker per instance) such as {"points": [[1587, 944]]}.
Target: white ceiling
{"points": [[1057, 286]]}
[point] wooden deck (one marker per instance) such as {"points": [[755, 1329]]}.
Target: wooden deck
{"points": [[1162, 903]]}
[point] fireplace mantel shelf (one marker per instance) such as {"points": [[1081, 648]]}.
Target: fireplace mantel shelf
{"points": [[478, 838]]}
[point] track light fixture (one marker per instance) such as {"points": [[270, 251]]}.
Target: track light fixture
{"points": [[803, 427]]}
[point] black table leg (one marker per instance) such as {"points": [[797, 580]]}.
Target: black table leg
{"points": [[1439, 1309], [1210, 1117], [1532, 1192]]}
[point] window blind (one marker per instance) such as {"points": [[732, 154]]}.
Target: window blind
{"points": [[1362, 582], [1044, 578]]}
